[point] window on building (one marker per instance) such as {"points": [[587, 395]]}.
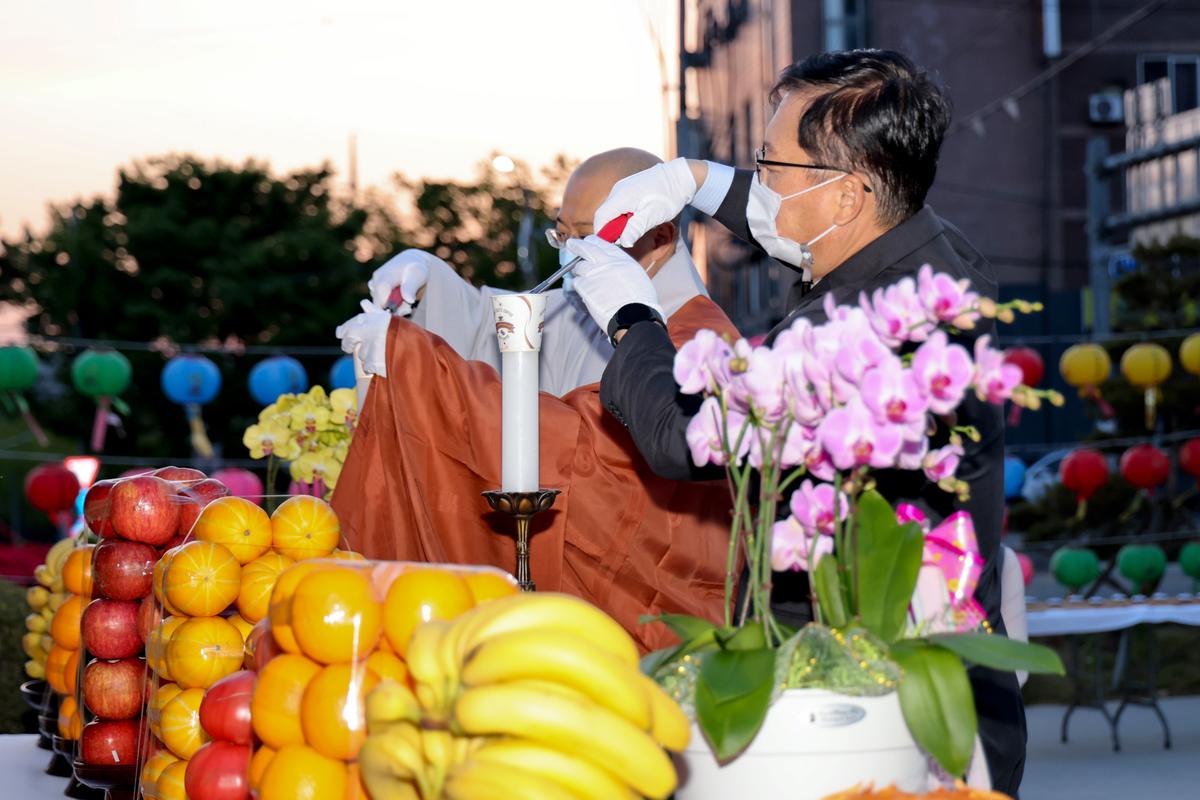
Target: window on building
{"points": [[1183, 71], [845, 24]]}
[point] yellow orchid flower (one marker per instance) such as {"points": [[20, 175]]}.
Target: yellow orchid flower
{"points": [[343, 404], [317, 395], [309, 418], [269, 439], [316, 464], [341, 450]]}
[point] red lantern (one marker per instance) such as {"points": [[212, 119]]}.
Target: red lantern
{"points": [[1083, 472], [1145, 466], [1033, 369], [1189, 458], [52, 488]]}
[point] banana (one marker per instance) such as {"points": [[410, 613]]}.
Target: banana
{"points": [[56, 585], [36, 597], [582, 729], [56, 556], [403, 747], [35, 669], [477, 780], [36, 623], [48, 613], [384, 778], [546, 611], [533, 653], [31, 643], [670, 727], [433, 691], [391, 702], [581, 777], [439, 749], [56, 600], [47, 643], [43, 575]]}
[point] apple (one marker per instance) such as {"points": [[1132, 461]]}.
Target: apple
{"points": [[219, 771], [261, 646], [115, 689], [189, 512], [110, 741], [179, 474], [175, 541], [110, 629], [96, 508], [208, 490], [148, 617], [225, 709], [122, 570], [145, 509]]}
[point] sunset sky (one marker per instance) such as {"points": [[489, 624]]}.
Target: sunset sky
{"points": [[430, 88]]}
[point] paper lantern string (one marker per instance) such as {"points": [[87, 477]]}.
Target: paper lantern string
{"points": [[16, 404]]}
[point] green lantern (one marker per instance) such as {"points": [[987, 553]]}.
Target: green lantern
{"points": [[18, 374], [101, 375], [1189, 560], [1143, 564], [1074, 567]]}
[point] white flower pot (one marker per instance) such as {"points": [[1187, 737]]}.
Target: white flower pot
{"points": [[812, 744]]}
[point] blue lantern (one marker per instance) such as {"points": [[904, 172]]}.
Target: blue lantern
{"points": [[277, 375], [1014, 477], [342, 374], [191, 381]]}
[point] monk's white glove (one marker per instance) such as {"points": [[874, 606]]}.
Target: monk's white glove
{"points": [[654, 195], [364, 336], [609, 278], [407, 271]]}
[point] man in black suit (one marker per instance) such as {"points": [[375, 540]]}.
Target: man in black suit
{"points": [[838, 193]]}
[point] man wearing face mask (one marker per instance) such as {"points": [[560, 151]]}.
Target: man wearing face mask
{"points": [[838, 194], [428, 437]]}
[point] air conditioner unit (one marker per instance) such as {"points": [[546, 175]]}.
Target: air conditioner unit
{"points": [[1106, 108]]}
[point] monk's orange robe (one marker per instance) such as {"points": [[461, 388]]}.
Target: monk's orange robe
{"points": [[619, 536]]}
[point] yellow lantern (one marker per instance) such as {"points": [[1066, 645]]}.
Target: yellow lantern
{"points": [[1189, 354], [1146, 366], [1086, 366]]}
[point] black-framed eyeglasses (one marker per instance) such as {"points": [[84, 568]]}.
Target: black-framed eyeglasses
{"points": [[760, 161]]}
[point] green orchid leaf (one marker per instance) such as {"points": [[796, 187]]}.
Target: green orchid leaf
{"points": [[889, 558], [936, 699], [826, 581], [733, 692], [1000, 652], [748, 637], [653, 661], [682, 625]]}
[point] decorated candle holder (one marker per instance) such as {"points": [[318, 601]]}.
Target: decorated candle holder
{"points": [[522, 506]]}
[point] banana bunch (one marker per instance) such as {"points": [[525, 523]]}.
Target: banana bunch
{"points": [[532, 696], [43, 600]]}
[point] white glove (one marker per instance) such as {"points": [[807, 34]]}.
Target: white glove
{"points": [[654, 195], [409, 271], [609, 278], [365, 337]]}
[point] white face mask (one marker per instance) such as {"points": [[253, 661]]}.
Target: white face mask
{"points": [[762, 207], [568, 280]]}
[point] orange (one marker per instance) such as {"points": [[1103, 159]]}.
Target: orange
{"points": [[333, 710], [335, 617], [156, 645], [70, 722], [153, 769], [56, 663], [181, 730], [297, 772], [258, 764], [203, 650], [281, 603], [64, 628], [486, 586], [239, 622], [355, 789], [278, 693], [241, 526], [258, 579], [387, 665], [418, 596], [171, 781], [305, 527], [77, 571], [203, 579], [165, 693], [71, 672], [347, 555]]}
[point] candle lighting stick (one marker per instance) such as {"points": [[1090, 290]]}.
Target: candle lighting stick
{"points": [[522, 506]]}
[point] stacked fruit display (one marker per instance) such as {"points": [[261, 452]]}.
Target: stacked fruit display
{"points": [[44, 600], [532, 696], [64, 583], [338, 631], [210, 592]]}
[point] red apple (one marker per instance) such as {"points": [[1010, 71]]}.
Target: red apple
{"points": [[179, 474], [261, 646], [208, 490], [175, 541], [110, 629], [122, 570], [148, 617], [110, 741], [96, 508], [115, 689], [145, 509], [189, 512], [219, 771], [225, 709]]}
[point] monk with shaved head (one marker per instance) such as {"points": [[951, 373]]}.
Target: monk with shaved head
{"points": [[428, 437]]}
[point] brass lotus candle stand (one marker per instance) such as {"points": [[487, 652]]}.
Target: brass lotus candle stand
{"points": [[522, 506]]}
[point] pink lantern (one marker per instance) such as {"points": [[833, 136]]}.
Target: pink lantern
{"points": [[315, 489], [240, 482], [1026, 567]]}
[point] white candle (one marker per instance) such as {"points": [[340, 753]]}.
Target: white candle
{"points": [[519, 332]]}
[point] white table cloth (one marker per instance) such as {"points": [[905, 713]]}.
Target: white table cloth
{"points": [[23, 766], [1101, 619]]}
